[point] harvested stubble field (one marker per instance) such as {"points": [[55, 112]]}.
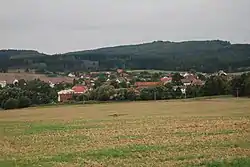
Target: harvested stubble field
{"points": [[213, 132]]}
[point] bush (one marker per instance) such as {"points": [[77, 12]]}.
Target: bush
{"points": [[11, 104], [24, 102], [131, 95], [104, 93], [2, 104], [147, 94], [82, 97]]}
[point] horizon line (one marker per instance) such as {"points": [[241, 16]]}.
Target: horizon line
{"points": [[120, 45]]}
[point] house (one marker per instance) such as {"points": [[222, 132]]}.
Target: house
{"points": [[186, 82], [166, 80], [3, 84], [80, 89], [193, 82], [221, 73], [183, 89], [119, 71], [185, 74], [52, 85], [71, 75], [122, 73], [118, 80], [15, 82], [198, 82], [189, 79], [146, 84], [65, 95]]}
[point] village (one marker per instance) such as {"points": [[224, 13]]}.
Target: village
{"points": [[82, 83]]}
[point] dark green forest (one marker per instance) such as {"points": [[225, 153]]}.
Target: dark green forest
{"points": [[204, 56]]}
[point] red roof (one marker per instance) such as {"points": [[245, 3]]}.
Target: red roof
{"points": [[119, 71], [79, 89], [166, 79], [146, 84], [198, 82], [191, 77]]}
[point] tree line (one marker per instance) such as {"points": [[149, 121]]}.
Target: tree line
{"points": [[238, 86], [25, 94], [205, 56], [33, 93]]}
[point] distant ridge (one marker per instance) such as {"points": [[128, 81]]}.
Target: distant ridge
{"points": [[13, 53], [206, 56]]}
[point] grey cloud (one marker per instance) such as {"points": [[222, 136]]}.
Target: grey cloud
{"points": [[55, 26]]}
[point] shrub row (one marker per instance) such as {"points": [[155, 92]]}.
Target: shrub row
{"points": [[12, 103]]}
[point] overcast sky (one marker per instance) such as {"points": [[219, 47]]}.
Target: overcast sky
{"points": [[57, 26]]}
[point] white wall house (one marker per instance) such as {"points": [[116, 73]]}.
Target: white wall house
{"points": [[71, 75], [52, 85], [15, 82], [65, 95], [183, 89], [3, 84]]}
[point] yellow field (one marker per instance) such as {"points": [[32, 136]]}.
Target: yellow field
{"points": [[172, 133]]}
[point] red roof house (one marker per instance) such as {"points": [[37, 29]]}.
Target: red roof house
{"points": [[65, 95], [79, 89], [166, 80], [119, 71], [189, 79], [198, 82]]}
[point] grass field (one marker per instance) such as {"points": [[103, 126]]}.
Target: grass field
{"points": [[213, 132]]}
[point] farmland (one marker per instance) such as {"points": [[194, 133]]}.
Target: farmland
{"points": [[157, 133], [10, 77]]}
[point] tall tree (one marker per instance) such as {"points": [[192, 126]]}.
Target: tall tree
{"points": [[176, 79]]}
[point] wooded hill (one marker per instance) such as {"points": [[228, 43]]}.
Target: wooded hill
{"points": [[205, 56]]}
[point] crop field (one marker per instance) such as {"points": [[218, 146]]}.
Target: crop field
{"points": [[213, 132]]}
